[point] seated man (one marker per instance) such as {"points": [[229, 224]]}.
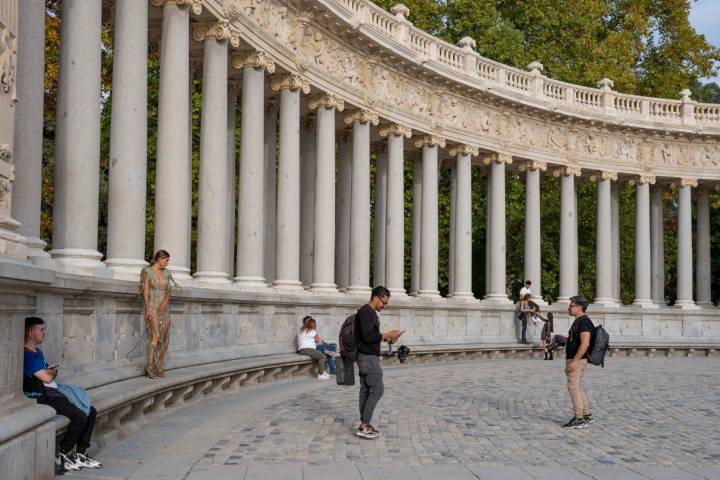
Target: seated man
{"points": [[39, 382]]}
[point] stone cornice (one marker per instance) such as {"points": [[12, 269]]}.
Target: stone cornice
{"points": [[194, 5], [361, 116], [290, 82], [430, 141], [326, 101], [497, 157], [464, 150], [219, 31], [257, 60], [395, 130]]}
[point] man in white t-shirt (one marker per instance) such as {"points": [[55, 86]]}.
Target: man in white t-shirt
{"points": [[526, 289]]}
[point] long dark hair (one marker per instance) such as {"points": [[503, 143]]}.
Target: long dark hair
{"points": [[160, 254]]}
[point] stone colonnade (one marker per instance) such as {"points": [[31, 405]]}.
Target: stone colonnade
{"points": [[297, 225]]}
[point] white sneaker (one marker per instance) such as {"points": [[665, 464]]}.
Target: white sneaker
{"points": [[86, 461], [66, 462], [323, 376]]}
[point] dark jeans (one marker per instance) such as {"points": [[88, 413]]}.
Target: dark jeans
{"points": [[81, 426], [524, 320], [371, 385], [330, 347]]}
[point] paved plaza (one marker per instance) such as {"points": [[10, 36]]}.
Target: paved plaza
{"points": [[495, 419]]}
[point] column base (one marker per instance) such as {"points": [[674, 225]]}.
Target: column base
{"points": [[180, 274], [606, 303], [358, 290], [323, 288], [686, 305], [36, 252], [80, 261], [705, 304], [464, 296], [644, 303], [126, 268], [429, 294], [660, 303], [218, 278], [497, 299], [540, 301], [397, 292], [288, 285], [247, 282], [563, 300], [12, 244]]}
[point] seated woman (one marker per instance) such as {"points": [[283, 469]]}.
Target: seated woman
{"points": [[307, 340]]}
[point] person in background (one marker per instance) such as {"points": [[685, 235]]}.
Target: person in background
{"points": [[526, 289], [526, 311], [155, 281], [307, 340]]}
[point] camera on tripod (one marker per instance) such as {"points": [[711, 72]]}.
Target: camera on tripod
{"points": [[402, 352]]}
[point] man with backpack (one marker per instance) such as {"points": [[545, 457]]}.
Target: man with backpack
{"points": [[368, 339], [576, 351]]}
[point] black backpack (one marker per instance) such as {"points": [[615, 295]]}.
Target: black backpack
{"points": [[599, 345], [348, 345]]}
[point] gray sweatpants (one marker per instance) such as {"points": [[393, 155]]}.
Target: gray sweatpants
{"points": [[371, 385], [316, 355]]}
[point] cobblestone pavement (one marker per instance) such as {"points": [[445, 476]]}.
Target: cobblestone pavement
{"points": [[656, 418]]}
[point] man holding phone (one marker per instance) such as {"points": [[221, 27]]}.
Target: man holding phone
{"points": [[369, 338]]}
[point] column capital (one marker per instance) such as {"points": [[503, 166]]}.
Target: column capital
{"points": [[430, 141], [568, 171], [497, 157], [532, 165], [361, 116], [395, 130], [194, 5], [327, 101], [689, 182], [219, 31], [291, 82], [645, 179], [256, 59], [602, 176], [464, 149]]}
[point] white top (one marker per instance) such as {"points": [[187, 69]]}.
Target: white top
{"points": [[524, 291], [306, 339]]}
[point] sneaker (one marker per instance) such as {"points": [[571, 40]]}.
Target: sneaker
{"points": [[372, 429], [588, 418], [87, 461], [575, 424], [367, 433], [324, 376], [66, 462]]}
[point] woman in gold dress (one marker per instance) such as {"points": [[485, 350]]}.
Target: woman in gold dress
{"points": [[155, 281]]}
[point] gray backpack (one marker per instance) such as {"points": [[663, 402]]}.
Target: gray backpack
{"points": [[599, 344]]}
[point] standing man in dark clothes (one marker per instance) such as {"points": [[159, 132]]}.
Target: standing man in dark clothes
{"points": [[576, 350], [369, 338]]}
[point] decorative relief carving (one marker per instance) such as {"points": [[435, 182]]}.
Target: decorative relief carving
{"points": [[7, 63], [194, 5], [232, 9], [396, 130], [710, 155], [326, 101], [464, 149], [255, 60], [220, 31], [430, 141], [290, 82], [7, 175], [362, 116]]}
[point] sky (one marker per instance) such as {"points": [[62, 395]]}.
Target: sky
{"points": [[705, 18]]}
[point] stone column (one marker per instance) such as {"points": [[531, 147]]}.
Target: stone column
{"points": [[451, 229], [251, 208], [497, 291], [657, 245], [429, 232], [213, 194], [488, 222], [287, 247], [615, 221], [643, 269], [128, 142], [77, 141], [463, 222], [568, 233], [270, 190], [395, 208], [603, 243], [173, 183], [702, 269], [342, 209], [685, 245], [323, 277], [233, 90], [28, 135], [360, 200], [307, 198], [381, 186], [417, 226], [533, 234]]}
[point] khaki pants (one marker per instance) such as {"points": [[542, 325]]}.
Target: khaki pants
{"points": [[577, 395]]}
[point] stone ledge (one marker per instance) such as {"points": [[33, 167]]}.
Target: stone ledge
{"points": [[127, 405]]}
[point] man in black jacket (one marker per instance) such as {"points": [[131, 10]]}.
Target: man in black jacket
{"points": [[369, 338]]}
